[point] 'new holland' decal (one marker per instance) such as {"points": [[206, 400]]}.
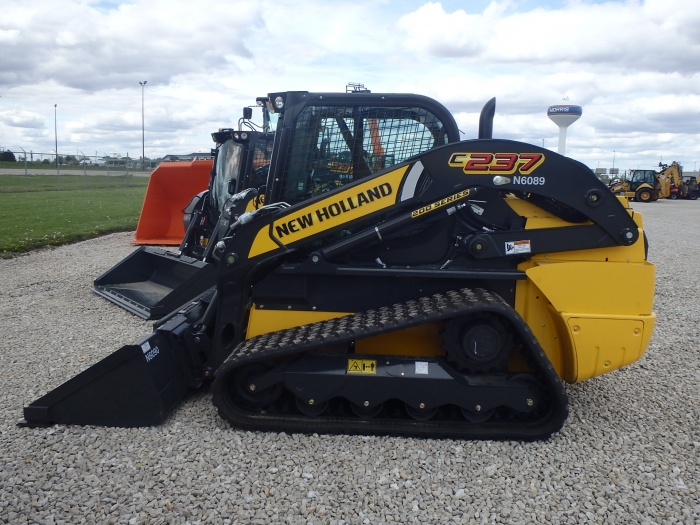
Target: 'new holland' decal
{"points": [[335, 210]]}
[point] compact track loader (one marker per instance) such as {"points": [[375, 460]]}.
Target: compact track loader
{"points": [[445, 295], [152, 282]]}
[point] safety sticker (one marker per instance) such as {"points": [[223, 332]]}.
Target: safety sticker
{"points": [[145, 347], [514, 247], [362, 366], [477, 209], [421, 367]]}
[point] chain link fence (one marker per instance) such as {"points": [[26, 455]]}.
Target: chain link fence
{"points": [[28, 172]]}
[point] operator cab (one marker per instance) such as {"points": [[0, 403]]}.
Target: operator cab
{"points": [[326, 140], [242, 156], [640, 177]]}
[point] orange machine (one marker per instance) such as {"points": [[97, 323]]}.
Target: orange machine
{"points": [[170, 188]]}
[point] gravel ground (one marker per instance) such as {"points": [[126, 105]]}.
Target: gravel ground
{"points": [[627, 454]]}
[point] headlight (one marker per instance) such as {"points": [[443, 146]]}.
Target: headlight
{"points": [[235, 136], [279, 102], [244, 136]]}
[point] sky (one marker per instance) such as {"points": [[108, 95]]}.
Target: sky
{"points": [[633, 65]]}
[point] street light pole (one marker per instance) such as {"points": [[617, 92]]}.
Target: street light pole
{"points": [[55, 135], [143, 128], [613, 161]]}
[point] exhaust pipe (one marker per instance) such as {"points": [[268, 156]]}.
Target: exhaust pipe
{"points": [[486, 119]]}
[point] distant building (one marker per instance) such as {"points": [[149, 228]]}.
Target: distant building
{"points": [[187, 158]]}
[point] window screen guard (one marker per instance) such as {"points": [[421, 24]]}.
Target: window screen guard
{"points": [[333, 145]]}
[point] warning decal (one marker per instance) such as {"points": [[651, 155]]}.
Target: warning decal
{"points": [[421, 367], [362, 366], [514, 247]]}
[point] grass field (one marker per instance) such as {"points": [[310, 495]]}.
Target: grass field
{"points": [[34, 219], [20, 183]]}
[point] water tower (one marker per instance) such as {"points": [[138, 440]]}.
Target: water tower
{"points": [[563, 116]]}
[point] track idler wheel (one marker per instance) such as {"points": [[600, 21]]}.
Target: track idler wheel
{"points": [[478, 343], [421, 414], [244, 391], [477, 416], [367, 412], [311, 409]]}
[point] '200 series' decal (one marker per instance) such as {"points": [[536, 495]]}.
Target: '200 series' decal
{"points": [[496, 163]]}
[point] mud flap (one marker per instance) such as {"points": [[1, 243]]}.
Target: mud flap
{"points": [[136, 386], [152, 282]]}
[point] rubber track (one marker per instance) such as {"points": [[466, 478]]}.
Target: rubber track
{"points": [[349, 328]]}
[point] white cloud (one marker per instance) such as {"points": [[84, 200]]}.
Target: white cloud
{"points": [[633, 65], [22, 119], [80, 46], [658, 35]]}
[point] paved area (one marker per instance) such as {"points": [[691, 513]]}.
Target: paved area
{"points": [[629, 452]]}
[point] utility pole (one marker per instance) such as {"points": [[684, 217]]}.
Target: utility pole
{"points": [[26, 185], [143, 128], [55, 135], [84, 171]]}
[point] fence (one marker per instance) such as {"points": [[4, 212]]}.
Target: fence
{"points": [[41, 172]]}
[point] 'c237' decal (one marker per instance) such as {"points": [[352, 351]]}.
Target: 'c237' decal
{"points": [[496, 163]]}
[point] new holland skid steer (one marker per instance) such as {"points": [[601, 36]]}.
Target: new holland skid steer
{"points": [[152, 282], [435, 288]]}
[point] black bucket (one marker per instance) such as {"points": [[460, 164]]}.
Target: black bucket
{"points": [[152, 282], [136, 386]]}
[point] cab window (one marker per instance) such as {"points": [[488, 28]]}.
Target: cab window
{"points": [[335, 145]]}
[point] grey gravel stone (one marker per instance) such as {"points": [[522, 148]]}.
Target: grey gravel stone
{"points": [[628, 453]]}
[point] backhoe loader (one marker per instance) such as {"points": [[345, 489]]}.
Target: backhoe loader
{"points": [[446, 295], [648, 185]]}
